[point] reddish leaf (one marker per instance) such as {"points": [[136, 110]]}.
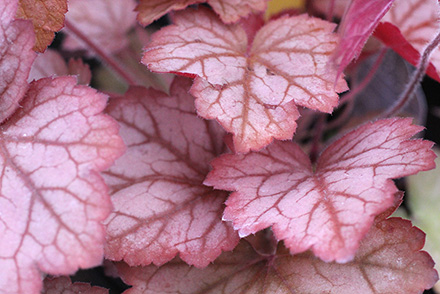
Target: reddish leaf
{"points": [[51, 63], [357, 25], [104, 22], [327, 209], [408, 27], [336, 7], [63, 285], [16, 42], [47, 17], [161, 206], [229, 10], [388, 261], [248, 87], [52, 198]]}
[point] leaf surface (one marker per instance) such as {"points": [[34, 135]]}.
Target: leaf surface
{"points": [[424, 205], [388, 262], [63, 285], [16, 41], [329, 209], [47, 17], [229, 10], [52, 198], [51, 63], [248, 87], [105, 23], [356, 27], [161, 206], [408, 27]]}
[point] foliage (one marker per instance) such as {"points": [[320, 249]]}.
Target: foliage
{"points": [[139, 174]]}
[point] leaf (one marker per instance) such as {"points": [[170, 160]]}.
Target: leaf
{"points": [[53, 199], [16, 42], [104, 22], [229, 10], [248, 87], [388, 262], [51, 63], [63, 285], [356, 27], [328, 208], [408, 27], [423, 202], [47, 17], [161, 206]]}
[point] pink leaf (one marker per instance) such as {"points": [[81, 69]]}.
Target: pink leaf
{"points": [[16, 41], [104, 22], [229, 10], [52, 197], [161, 206], [51, 63], [408, 27], [389, 261], [63, 285], [357, 25], [248, 87], [329, 208]]}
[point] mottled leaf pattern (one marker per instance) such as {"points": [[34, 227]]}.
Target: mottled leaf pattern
{"points": [[388, 262], [161, 206], [356, 27], [63, 285], [52, 198], [327, 208], [47, 16], [408, 27], [16, 41], [248, 87], [229, 10]]}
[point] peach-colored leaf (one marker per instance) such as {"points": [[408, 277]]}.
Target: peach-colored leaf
{"points": [[105, 23], [63, 285], [161, 206], [16, 41], [356, 27], [389, 261], [229, 10], [408, 27], [51, 63], [248, 87], [329, 208], [47, 17], [52, 198]]}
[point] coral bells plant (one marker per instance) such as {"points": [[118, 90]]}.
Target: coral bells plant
{"points": [[214, 147]]}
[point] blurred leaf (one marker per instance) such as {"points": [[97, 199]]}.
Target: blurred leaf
{"points": [[424, 203]]}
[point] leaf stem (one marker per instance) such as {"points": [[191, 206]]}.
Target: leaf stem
{"points": [[415, 79], [104, 56]]}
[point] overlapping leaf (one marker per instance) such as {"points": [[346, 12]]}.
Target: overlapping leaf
{"points": [[63, 285], [251, 89], [388, 262], [47, 17], [229, 10], [161, 206], [105, 23], [356, 27], [51, 63], [408, 27], [329, 208], [52, 199], [16, 41]]}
